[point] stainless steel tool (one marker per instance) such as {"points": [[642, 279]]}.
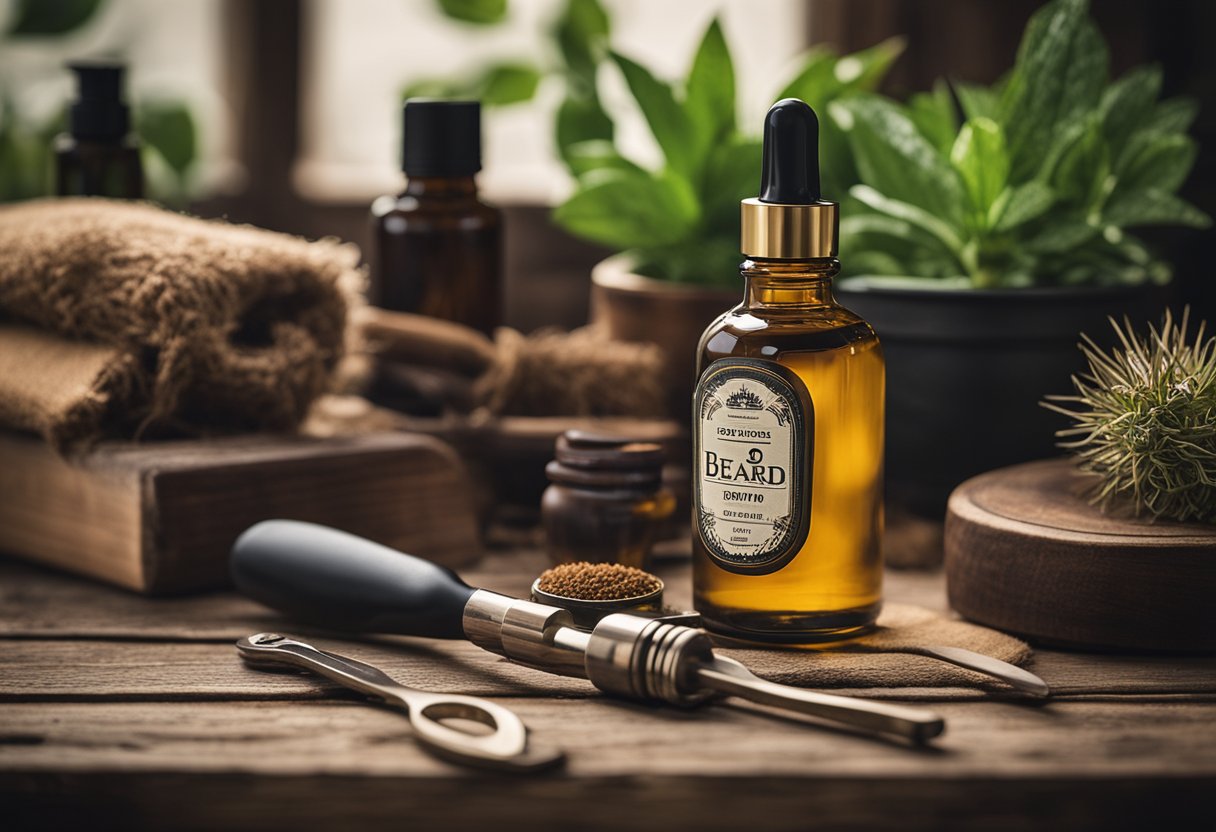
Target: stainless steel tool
{"points": [[506, 747], [336, 580], [1012, 675]]}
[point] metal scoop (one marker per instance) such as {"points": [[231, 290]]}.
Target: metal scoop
{"points": [[336, 580], [506, 747]]}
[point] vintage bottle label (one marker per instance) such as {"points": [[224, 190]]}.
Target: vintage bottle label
{"points": [[754, 428]]}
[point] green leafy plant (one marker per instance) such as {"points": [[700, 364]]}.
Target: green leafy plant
{"points": [[39, 18], [682, 220], [580, 35], [476, 12], [1035, 182], [1145, 421], [577, 34]]}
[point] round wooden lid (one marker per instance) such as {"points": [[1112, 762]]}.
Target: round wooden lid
{"points": [[1027, 553]]}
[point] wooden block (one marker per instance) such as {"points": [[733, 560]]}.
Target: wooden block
{"points": [[1026, 553], [161, 517]]}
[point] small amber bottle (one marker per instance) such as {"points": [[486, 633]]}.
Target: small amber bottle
{"points": [[437, 249], [98, 155], [788, 422]]}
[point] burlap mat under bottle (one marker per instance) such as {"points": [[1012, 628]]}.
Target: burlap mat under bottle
{"points": [[863, 663]]}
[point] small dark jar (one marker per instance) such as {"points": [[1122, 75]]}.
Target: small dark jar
{"points": [[606, 501]]}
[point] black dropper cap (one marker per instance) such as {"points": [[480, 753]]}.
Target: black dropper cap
{"points": [[789, 220], [441, 138], [790, 174], [99, 113]]}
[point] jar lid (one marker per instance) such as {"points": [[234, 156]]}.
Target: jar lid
{"points": [[594, 451], [641, 481]]}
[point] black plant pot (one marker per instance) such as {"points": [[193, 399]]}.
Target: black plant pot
{"points": [[966, 370]]}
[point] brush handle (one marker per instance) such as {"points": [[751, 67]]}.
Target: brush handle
{"points": [[338, 581]]}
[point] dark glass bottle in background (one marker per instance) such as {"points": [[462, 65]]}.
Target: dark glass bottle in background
{"points": [[437, 249], [98, 155]]}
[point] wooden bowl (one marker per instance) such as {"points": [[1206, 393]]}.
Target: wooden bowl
{"points": [[1026, 553]]}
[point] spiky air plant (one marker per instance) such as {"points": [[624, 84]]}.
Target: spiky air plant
{"points": [[1145, 421]]}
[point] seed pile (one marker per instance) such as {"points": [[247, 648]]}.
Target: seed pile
{"points": [[598, 581]]}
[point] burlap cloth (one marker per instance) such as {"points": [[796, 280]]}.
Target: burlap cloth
{"points": [[121, 319], [864, 662]]}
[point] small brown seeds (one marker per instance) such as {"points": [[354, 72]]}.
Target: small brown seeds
{"points": [[597, 581]]}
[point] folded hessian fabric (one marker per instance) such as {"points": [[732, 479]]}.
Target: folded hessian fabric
{"points": [[120, 319]]}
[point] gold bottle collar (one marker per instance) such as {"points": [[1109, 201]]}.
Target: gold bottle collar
{"points": [[789, 232]]}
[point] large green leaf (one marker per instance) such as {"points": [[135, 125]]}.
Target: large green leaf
{"points": [[815, 83], [1127, 105], [709, 97], [1153, 206], [732, 173], [978, 101], [580, 120], [1019, 205], [1175, 115], [478, 12], [26, 158], [597, 154], [51, 17], [940, 231], [581, 33], [1059, 75], [1061, 235], [863, 232], [1156, 160], [509, 83], [667, 120], [825, 76], [893, 157], [934, 115], [708, 261], [982, 161], [630, 210], [1083, 171], [168, 128], [863, 71], [496, 85]]}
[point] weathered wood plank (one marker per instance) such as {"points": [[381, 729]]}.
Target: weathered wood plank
{"points": [[82, 670], [606, 737], [337, 765], [32, 669], [40, 603]]}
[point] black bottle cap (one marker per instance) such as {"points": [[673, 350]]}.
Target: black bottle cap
{"points": [[99, 113], [441, 138], [790, 173]]}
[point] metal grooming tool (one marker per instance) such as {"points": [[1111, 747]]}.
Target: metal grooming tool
{"points": [[504, 748], [333, 579], [589, 613], [1012, 675]]}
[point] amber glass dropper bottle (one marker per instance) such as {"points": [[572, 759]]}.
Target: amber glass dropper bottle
{"points": [[788, 422], [437, 249], [98, 155]]}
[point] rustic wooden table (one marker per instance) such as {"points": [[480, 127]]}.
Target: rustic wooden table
{"points": [[123, 712]]}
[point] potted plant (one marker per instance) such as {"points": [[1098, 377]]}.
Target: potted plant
{"points": [[981, 244], [677, 228]]}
